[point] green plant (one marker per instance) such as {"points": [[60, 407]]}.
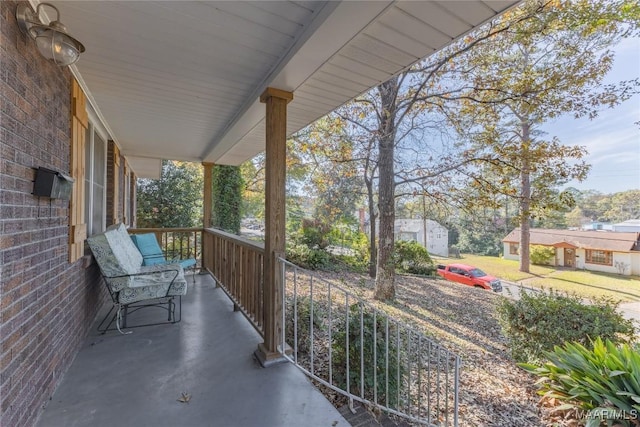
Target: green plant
{"points": [[604, 380], [542, 255], [306, 257], [227, 186], [412, 257], [539, 321], [387, 382], [174, 200], [299, 312], [314, 233]]}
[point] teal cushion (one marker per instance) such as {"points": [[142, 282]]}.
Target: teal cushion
{"points": [[151, 252], [149, 248], [186, 263]]}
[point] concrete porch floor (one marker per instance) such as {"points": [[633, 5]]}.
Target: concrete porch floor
{"points": [[137, 379]]}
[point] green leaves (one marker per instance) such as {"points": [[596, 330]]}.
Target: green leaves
{"points": [[174, 200], [539, 321], [227, 186], [603, 380]]}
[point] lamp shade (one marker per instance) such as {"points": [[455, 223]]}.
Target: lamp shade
{"points": [[53, 41], [57, 47]]}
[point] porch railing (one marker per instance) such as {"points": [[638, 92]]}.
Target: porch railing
{"points": [[335, 337], [236, 264], [355, 349], [177, 243]]}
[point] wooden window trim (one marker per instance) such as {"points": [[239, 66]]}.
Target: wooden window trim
{"points": [[79, 124], [591, 253]]}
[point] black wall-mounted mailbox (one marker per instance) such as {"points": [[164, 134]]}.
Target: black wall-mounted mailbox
{"points": [[50, 183]]}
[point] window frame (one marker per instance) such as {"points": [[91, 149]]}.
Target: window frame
{"points": [[514, 249], [602, 257], [94, 128]]}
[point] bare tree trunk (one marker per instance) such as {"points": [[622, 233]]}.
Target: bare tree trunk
{"points": [[372, 228], [385, 273], [525, 200]]}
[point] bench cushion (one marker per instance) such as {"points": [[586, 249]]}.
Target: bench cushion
{"points": [[121, 265], [149, 248]]}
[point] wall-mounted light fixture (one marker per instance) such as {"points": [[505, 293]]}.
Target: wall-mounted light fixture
{"points": [[53, 41]]}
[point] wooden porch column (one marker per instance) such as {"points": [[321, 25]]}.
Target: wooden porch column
{"points": [[276, 101], [207, 196], [207, 206]]}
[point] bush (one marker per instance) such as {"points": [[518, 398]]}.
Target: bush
{"points": [[539, 321], [303, 333], [412, 257], [356, 342], [309, 258], [542, 255], [604, 380], [314, 233]]}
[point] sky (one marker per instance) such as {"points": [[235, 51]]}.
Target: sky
{"points": [[612, 139]]}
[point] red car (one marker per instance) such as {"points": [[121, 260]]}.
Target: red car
{"points": [[469, 275]]}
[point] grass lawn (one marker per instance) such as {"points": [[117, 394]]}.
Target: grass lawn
{"points": [[588, 284]]}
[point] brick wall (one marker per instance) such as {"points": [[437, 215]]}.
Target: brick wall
{"points": [[46, 304]]}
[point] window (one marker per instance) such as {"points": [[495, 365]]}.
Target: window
{"points": [[514, 249], [95, 179], [408, 236], [599, 257], [127, 195]]}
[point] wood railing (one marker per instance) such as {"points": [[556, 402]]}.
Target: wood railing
{"points": [[237, 266], [177, 243]]}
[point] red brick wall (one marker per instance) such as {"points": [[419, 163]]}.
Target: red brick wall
{"points": [[46, 304]]}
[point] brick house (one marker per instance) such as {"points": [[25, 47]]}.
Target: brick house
{"points": [[184, 81], [608, 252]]}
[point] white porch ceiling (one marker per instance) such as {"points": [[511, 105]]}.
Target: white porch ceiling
{"points": [[181, 79]]}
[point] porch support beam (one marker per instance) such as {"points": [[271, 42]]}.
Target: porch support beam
{"points": [[207, 207], [207, 196], [276, 101]]}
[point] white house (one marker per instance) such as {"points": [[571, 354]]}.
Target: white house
{"points": [[596, 226], [609, 252], [428, 233], [632, 225]]}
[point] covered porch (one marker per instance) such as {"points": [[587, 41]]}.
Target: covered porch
{"points": [[207, 82], [137, 379]]}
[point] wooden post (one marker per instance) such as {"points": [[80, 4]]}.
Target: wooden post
{"points": [[276, 101], [207, 196], [207, 205]]}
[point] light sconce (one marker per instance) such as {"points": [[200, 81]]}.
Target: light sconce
{"points": [[53, 41]]}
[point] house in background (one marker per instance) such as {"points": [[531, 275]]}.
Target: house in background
{"points": [[428, 233], [607, 252], [597, 226], [632, 225]]}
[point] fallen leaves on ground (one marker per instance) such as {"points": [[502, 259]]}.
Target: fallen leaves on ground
{"points": [[184, 398], [493, 390]]}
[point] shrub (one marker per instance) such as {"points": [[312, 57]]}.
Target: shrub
{"points": [[354, 263], [539, 321], [604, 380], [412, 257], [303, 334], [356, 343], [542, 255], [309, 258], [314, 233]]}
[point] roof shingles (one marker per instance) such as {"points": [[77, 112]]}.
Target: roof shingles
{"points": [[609, 241]]}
